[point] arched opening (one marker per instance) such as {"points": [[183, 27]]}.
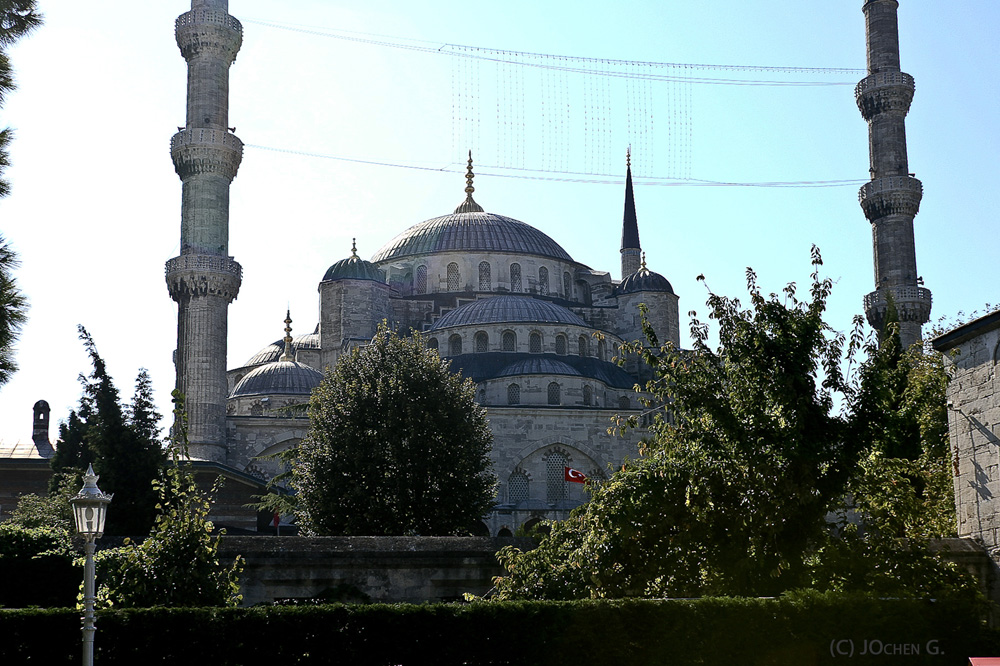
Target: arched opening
{"points": [[554, 394], [561, 344], [509, 341], [504, 532], [432, 343], [588, 396], [543, 280], [482, 341], [515, 277], [485, 281], [584, 344], [517, 487], [454, 279], [567, 287], [535, 342], [420, 285], [555, 477], [455, 345], [624, 402], [514, 394], [602, 350]]}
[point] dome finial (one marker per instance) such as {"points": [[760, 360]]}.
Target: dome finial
{"points": [[354, 247], [642, 266], [469, 205], [628, 157], [288, 355]]}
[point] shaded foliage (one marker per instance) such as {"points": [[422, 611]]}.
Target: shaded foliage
{"points": [[731, 492], [121, 442], [397, 445]]}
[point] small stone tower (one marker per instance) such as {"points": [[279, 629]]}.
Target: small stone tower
{"points": [[892, 198], [204, 279], [631, 250], [40, 429]]}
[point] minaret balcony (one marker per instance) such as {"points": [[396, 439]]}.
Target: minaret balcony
{"points": [[884, 92], [204, 150], [913, 304], [208, 31], [203, 275], [891, 195]]}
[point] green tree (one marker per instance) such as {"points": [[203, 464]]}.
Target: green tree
{"points": [[732, 488], [17, 19], [122, 443], [397, 445], [13, 310], [178, 564]]}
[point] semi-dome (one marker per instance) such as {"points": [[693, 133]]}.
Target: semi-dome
{"points": [[278, 378], [273, 351], [644, 280], [354, 268], [538, 366], [475, 231], [508, 310]]}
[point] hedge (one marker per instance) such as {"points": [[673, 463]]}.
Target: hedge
{"points": [[794, 630]]}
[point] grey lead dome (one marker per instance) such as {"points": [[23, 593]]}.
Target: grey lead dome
{"points": [[508, 310], [471, 232], [278, 378]]}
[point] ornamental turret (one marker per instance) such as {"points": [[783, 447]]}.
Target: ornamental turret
{"points": [[891, 198], [204, 279]]}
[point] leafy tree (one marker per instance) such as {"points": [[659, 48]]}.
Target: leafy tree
{"points": [[13, 309], [397, 445], [731, 492], [17, 19], [122, 443]]}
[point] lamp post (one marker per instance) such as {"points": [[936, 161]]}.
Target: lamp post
{"points": [[90, 508]]}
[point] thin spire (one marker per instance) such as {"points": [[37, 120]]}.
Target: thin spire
{"points": [[354, 248], [630, 225], [469, 205], [288, 355]]}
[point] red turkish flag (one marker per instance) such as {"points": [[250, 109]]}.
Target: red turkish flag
{"points": [[277, 519], [574, 475]]}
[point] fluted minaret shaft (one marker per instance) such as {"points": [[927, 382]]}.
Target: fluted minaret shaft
{"points": [[892, 198], [204, 279]]}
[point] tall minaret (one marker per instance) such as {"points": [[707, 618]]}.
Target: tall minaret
{"points": [[204, 279], [892, 198], [631, 250]]}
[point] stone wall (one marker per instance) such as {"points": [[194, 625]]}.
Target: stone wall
{"points": [[378, 569]]}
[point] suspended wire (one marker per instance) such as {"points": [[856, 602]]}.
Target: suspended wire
{"points": [[582, 65], [581, 177]]}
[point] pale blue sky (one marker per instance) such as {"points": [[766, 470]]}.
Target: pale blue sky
{"points": [[95, 207]]}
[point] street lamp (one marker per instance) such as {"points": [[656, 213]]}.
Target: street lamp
{"points": [[90, 508]]}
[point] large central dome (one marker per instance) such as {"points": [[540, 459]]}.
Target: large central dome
{"points": [[471, 232]]}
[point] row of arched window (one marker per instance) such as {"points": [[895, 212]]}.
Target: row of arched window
{"points": [[556, 489], [454, 277], [554, 396], [508, 343]]}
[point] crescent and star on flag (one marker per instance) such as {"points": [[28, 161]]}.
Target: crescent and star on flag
{"points": [[574, 475]]}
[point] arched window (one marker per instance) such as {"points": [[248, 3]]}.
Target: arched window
{"points": [[561, 344], [543, 280], [482, 342], [432, 343], [555, 477], [454, 279], [535, 342], [517, 487], [624, 402], [515, 277], [588, 396], [455, 345], [504, 532], [485, 282], [584, 346], [421, 283], [602, 350], [567, 287], [509, 341], [514, 394], [555, 394]]}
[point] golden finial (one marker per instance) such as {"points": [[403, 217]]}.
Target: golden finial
{"points": [[354, 248], [642, 266], [469, 189], [288, 355], [469, 205], [628, 157]]}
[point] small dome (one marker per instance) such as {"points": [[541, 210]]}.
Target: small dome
{"points": [[273, 351], [644, 280], [472, 231], [538, 366], [278, 378], [354, 268], [508, 310]]}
